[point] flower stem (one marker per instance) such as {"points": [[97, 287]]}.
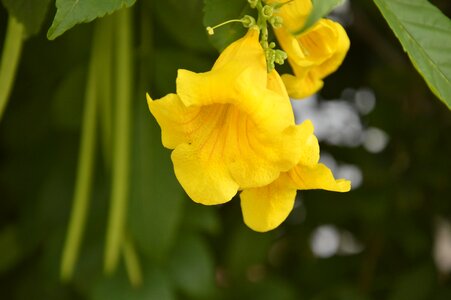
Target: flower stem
{"points": [[10, 59], [120, 184], [132, 262], [104, 88], [85, 165]]}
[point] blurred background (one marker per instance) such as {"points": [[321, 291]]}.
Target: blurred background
{"points": [[378, 125]]}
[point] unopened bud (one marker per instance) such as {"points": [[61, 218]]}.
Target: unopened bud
{"points": [[267, 11], [248, 21], [276, 21], [280, 56]]}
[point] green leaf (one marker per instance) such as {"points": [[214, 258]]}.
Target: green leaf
{"points": [[72, 12], [218, 11], [321, 8], [31, 13], [424, 32]]}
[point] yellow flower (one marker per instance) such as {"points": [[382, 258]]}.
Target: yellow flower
{"points": [[231, 128], [313, 54], [265, 208]]}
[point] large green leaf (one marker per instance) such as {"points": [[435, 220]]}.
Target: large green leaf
{"points": [[320, 9], [72, 12], [31, 13], [218, 11], [425, 34]]}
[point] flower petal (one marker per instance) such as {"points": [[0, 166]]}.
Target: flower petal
{"points": [[220, 84], [326, 44], [244, 51], [265, 208], [206, 181], [309, 149], [176, 120], [313, 55], [230, 140], [260, 156], [318, 177], [299, 87], [275, 84], [294, 13]]}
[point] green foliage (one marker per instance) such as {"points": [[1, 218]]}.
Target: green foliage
{"points": [[189, 251], [72, 12], [321, 8], [31, 13], [9, 60], [424, 32], [184, 14], [192, 267], [218, 11], [156, 286]]}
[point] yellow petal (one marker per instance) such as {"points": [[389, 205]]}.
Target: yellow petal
{"points": [[300, 87], [244, 51], [177, 122], [206, 181], [245, 91], [309, 147], [220, 84], [318, 177], [265, 208], [313, 55], [275, 83], [229, 140], [294, 13], [260, 156], [325, 45], [341, 45]]}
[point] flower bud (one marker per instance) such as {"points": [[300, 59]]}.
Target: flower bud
{"points": [[267, 11], [280, 56], [276, 21], [248, 21]]}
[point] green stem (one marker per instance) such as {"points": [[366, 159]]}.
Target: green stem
{"points": [[120, 184], [85, 167], [261, 22], [104, 87], [10, 59], [132, 262]]}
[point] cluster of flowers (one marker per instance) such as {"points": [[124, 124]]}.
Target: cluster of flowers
{"points": [[232, 128]]}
